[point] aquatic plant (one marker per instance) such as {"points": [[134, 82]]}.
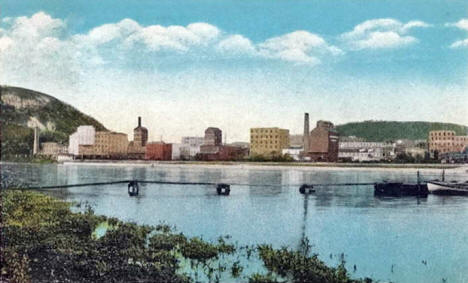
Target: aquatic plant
{"points": [[46, 242]]}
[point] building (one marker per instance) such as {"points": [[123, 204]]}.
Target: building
{"points": [[84, 135], [158, 151], [294, 151], [211, 149], [110, 145], [52, 149], [176, 149], [136, 148], [363, 151], [323, 142], [296, 141], [190, 147], [213, 136], [268, 142], [455, 157], [445, 141]]}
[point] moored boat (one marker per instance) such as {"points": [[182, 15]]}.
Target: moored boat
{"points": [[447, 188], [399, 189]]}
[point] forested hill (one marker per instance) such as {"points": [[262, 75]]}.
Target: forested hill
{"points": [[24, 109], [393, 130]]}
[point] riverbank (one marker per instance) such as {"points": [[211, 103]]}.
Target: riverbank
{"points": [[46, 241], [271, 165]]}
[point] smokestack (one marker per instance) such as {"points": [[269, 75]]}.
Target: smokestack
{"points": [[306, 132], [36, 141], [139, 121]]}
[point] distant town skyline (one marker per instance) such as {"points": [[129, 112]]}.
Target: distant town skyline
{"points": [[188, 65]]}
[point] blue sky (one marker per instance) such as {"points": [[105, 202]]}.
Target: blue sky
{"points": [[187, 65]]}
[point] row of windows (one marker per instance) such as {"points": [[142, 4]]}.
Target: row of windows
{"points": [[264, 130], [261, 137], [262, 142], [265, 147], [442, 133]]}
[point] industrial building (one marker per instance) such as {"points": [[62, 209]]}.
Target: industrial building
{"points": [[158, 151], [52, 149], [268, 142], [446, 141], [190, 147], [363, 151], [109, 145], [137, 147], [84, 135], [320, 144]]}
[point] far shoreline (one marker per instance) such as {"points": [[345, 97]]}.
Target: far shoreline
{"points": [[268, 165]]}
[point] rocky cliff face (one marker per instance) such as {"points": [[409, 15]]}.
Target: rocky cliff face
{"points": [[24, 109]]}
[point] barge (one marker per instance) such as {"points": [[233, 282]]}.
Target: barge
{"points": [[400, 189]]}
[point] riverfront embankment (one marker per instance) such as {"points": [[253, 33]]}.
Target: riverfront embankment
{"points": [[282, 165]]}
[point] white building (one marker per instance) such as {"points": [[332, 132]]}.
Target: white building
{"points": [[84, 135], [294, 152], [365, 151], [190, 146], [176, 151]]}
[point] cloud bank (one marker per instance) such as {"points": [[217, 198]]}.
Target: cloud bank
{"points": [[382, 34]]}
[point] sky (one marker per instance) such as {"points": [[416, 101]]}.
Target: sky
{"points": [[185, 65]]}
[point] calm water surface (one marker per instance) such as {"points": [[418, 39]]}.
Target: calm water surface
{"points": [[387, 239]]}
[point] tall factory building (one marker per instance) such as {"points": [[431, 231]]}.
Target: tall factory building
{"points": [[323, 142], [107, 145], [445, 142], [213, 136], [268, 142], [137, 147]]}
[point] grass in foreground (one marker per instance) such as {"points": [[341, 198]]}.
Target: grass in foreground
{"points": [[46, 242]]}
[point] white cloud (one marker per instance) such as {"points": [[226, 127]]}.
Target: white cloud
{"points": [[463, 25], [381, 34], [236, 44], [460, 44], [299, 47]]}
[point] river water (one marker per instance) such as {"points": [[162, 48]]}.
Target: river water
{"points": [[388, 239]]}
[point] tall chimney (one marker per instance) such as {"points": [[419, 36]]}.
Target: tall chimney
{"points": [[306, 132], [36, 141], [139, 121]]}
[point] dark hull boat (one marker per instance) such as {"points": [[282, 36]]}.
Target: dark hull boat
{"points": [[398, 189], [448, 188]]}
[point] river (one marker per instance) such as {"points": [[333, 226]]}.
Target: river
{"points": [[389, 239]]}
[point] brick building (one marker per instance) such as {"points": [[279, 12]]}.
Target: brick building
{"points": [[446, 141], [268, 142], [158, 151], [136, 148], [323, 143], [213, 136]]}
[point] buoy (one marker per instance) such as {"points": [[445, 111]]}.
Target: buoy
{"points": [[306, 189], [133, 188], [223, 189]]}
